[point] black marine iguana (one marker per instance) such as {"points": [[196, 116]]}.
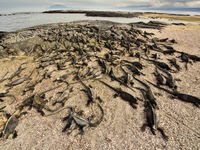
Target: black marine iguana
{"points": [[193, 57], [103, 65], [10, 126], [183, 97], [135, 63], [133, 69], [7, 95], [170, 82], [63, 96], [149, 94], [125, 78], [159, 77], [174, 63], [184, 57], [37, 101], [159, 63], [120, 81], [74, 120], [151, 119], [124, 95], [89, 93]]}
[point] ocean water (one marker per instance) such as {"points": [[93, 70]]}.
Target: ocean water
{"points": [[24, 20]]}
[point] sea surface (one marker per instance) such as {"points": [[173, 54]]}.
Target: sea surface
{"points": [[23, 20]]}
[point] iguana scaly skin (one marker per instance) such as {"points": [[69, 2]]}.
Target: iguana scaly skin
{"points": [[149, 94], [183, 97], [151, 120], [123, 95], [37, 101], [89, 93], [74, 120]]}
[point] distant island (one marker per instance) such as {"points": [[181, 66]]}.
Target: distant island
{"points": [[57, 6], [125, 14]]}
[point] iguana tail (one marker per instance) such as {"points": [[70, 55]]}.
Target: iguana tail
{"points": [[101, 118], [57, 111]]}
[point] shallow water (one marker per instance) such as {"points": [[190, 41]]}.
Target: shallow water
{"points": [[19, 21]]}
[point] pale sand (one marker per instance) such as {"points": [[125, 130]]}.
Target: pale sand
{"points": [[193, 19], [120, 128]]}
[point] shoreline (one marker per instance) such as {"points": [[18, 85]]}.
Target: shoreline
{"points": [[127, 14], [123, 14]]}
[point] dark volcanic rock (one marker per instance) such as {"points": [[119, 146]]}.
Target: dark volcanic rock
{"points": [[151, 24], [99, 13], [2, 34]]}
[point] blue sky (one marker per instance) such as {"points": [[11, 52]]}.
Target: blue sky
{"points": [[6, 5]]}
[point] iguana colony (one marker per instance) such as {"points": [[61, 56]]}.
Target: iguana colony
{"points": [[88, 52]]}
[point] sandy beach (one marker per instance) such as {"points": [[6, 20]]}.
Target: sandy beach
{"points": [[188, 18], [121, 124]]}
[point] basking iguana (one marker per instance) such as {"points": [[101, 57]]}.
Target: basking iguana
{"points": [[151, 120], [89, 93], [149, 94], [37, 101], [123, 95], [183, 97], [74, 120]]}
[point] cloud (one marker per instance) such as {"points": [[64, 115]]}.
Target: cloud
{"points": [[175, 3], [124, 3], [95, 4], [193, 4]]}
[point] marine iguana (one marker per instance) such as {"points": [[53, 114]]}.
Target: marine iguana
{"points": [[103, 65], [149, 94], [159, 77], [74, 120], [89, 93], [174, 63], [125, 78], [63, 97], [37, 101], [123, 95], [16, 73], [184, 57], [17, 82], [169, 79], [3, 77], [20, 80], [170, 50], [151, 119], [62, 78], [159, 63], [135, 63], [133, 69], [193, 57], [10, 125], [121, 82], [7, 95], [30, 86], [183, 97]]}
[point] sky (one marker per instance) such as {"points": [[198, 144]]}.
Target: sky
{"points": [[6, 5]]}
